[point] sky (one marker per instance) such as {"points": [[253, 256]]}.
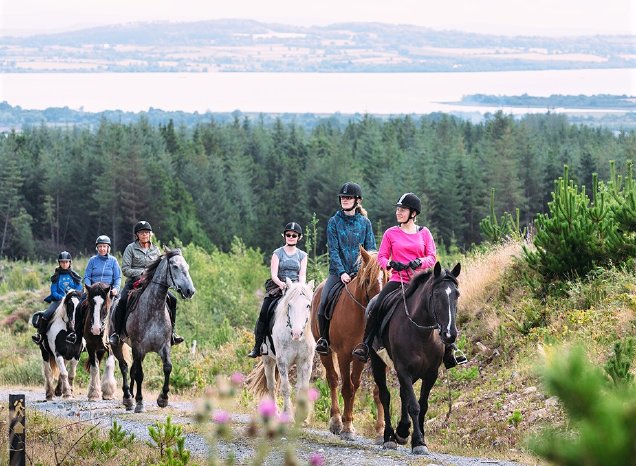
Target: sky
{"points": [[508, 17]]}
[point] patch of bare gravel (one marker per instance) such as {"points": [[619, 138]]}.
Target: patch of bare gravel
{"points": [[362, 452]]}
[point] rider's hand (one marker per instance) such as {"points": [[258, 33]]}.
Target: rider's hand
{"points": [[397, 266], [345, 278], [114, 292], [415, 263]]}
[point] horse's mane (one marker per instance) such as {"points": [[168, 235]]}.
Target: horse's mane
{"points": [[368, 271], [428, 280], [60, 309], [151, 269], [295, 290]]}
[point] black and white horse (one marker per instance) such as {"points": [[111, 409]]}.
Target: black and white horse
{"points": [[57, 352]]}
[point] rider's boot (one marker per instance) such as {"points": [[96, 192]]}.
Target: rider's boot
{"points": [[361, 352], [172, 305], [322, 345], [453, 356], [259, 334], [43, 323], [114, 339]]}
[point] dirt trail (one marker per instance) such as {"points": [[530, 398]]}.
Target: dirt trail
{"points": [[361, 452]]}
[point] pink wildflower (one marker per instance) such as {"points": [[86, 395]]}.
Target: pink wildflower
{"points": [[267, 407], [237, 379], [316, 459], [313, 394], [284, 418], [220, 416]]}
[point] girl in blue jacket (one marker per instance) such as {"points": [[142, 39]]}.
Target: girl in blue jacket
{"points": [[63, 280]]}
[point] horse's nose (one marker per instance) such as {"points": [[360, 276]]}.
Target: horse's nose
{"points": [[95, 330], [189, 292]]}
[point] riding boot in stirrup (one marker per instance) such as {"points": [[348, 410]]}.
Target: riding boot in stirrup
{"points": [[361, 352], [259, 335], [38, 338], [322, 345], [453, 356], [175, 339]]}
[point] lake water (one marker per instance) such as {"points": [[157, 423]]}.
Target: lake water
{"points": [[379, 93]]}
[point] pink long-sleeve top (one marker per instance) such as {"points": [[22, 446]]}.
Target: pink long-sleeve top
{"points": [[403, 247]]}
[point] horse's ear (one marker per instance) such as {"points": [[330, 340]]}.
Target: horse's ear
{"points": [[364, 254], [437, 270], [456, 270]]}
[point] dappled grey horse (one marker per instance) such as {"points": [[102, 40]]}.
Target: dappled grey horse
{"points": [[148, 326]]}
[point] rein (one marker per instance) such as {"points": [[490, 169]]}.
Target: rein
{"points": [[435, 326]]}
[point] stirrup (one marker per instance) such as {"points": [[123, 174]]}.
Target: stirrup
{"points": [[176, 339], [460, 357], [71, 338], [114, 339], [322, 346], [361, 352]]}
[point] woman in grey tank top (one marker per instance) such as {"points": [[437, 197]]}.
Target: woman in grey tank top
{"points": [[287, 262]]}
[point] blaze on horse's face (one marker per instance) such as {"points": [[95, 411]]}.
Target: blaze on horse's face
{"points": [[298, 300], [71, 301], [444, 301], [179, 276], [98, 302]]}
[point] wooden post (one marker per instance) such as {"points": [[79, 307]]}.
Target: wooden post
{"points": [[17, 430]]}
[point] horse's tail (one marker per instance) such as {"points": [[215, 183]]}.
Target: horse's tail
{"points": [[256, 382], [55, 371]]}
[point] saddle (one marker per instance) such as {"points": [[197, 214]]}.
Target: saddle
{"points": [[389, 302], [332, 299]]}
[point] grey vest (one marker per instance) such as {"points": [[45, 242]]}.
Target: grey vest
{"points": [[289, 266]]}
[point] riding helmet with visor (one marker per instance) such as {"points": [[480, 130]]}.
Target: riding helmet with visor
{"points": [[64, 256], [142, 225], [102, 239], [410, 201], [351, 189], [295, 227]]}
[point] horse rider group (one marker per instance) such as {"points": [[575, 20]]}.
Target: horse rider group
{"points": [[103, 267], [404, 250]]}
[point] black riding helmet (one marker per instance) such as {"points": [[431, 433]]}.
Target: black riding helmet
{"points": [[351, 189], [295, 227], [410, 201], [142, 225], [64, 256]]}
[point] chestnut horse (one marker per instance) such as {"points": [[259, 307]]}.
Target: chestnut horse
{"points": [[345, 332]]}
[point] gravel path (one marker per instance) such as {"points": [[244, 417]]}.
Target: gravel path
{"points": [[362, 452]]}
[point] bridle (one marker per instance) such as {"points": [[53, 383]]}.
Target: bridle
{"points": [[171, 279], [289, 324], [431, 308]]}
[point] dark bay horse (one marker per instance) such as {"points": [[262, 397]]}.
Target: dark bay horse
{"points": [[148, 326], [345, 332], [422, 323], [57, 352], [96, 310]]}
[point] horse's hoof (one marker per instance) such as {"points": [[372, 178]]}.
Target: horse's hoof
{"points": [[420, 450], [128, 403], [162, 401], [108, 397], [349, 436], [400, 440], [58, 392], [335, 427], [379, 440], [140, 408], [389, 445], [93, 398]]}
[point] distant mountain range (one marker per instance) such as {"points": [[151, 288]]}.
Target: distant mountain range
{"points": [[251, 46]]}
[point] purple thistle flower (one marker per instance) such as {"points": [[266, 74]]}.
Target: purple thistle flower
{"points": [[313, 394], [220, 416], [267, 408], [316, 459], [237, 379]]}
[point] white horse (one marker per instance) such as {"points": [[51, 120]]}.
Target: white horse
{"points": [[57, 352], [294, 344]]}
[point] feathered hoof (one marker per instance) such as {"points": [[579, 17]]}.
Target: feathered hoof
{"points": [[420, 450], [128, 403], [379, 440], [140, 408], [335, 426], [348, 436], [94, 398], [108, 397], [162, 401], [400, 440], [390, 445]]}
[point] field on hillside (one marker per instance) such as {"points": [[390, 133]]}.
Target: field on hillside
{"points": [[487, 408]]}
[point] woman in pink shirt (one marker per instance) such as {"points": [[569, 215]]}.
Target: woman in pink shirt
{"points": [[406, 249]]}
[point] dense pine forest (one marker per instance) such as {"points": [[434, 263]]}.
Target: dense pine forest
{"points": [[62, 187]]}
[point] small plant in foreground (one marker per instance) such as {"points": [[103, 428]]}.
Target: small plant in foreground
{"points": [[166, 436]]}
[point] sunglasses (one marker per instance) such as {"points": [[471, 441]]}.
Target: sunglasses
{"points": [[347, 198], [291, 235]]}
